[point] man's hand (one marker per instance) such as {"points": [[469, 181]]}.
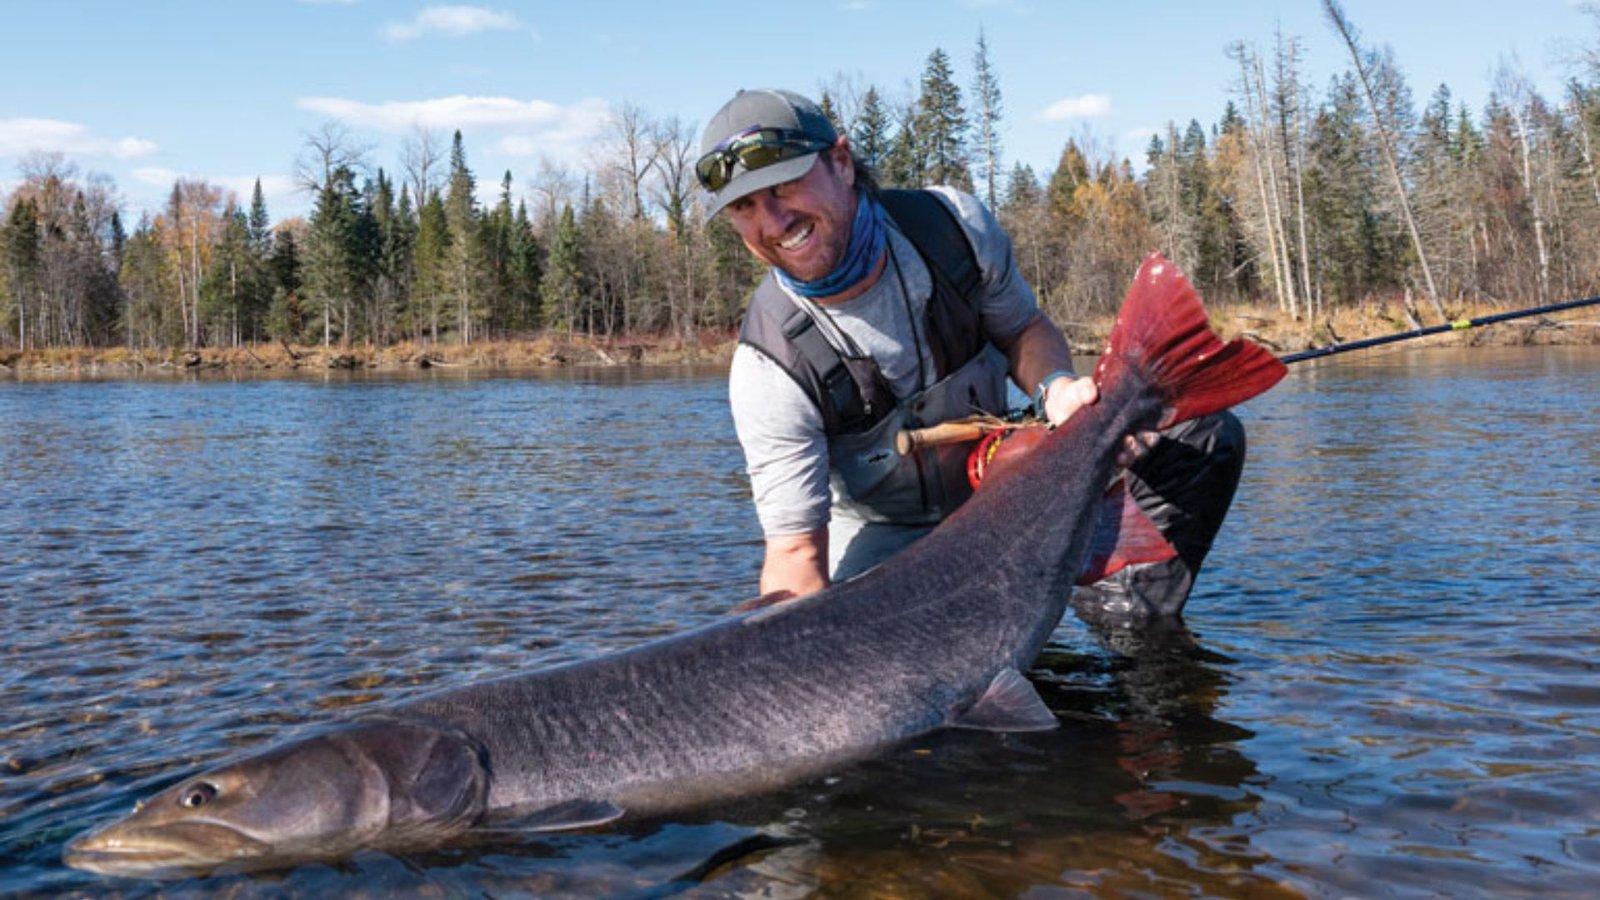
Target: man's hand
{"points": [[795, 564], [1065, 396]]}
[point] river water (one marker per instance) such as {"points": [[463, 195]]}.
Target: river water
{"points": [[1388, 683]]}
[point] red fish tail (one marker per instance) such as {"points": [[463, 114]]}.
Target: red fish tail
{"points": [[1163, 331]]}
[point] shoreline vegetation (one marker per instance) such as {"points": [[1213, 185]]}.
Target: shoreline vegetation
{"points": [[1273, 329], [1322, 207]]}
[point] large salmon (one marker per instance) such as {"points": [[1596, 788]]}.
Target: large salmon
{"points": [[936, 637]]}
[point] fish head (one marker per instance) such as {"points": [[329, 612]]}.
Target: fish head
{"points": [[319, 798]]}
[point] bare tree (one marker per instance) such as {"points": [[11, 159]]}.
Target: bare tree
{"points": [[420, 154], [554, 187], [1288, 98], [845, 93], [1263, 154], [1387, 138], [633, 154], [675, 184], [325, 151], [1513, 87]]}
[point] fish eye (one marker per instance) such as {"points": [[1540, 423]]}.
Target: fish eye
{"points": [[197, 795]]}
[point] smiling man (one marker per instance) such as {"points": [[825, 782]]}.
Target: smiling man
{"points": [[886, 310]]}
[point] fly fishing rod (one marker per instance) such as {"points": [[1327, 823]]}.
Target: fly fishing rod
{"points": [[1458, 325], [973, 428]]}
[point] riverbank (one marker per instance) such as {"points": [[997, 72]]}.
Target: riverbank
{"points": [[1266, 325]]}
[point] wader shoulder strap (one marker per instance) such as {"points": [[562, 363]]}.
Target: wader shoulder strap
{"points": [[954, 328], [852, 394]]}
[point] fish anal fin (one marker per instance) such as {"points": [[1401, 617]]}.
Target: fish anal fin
{"points": [[1010, 704], [569, 816], [1125, 535]]}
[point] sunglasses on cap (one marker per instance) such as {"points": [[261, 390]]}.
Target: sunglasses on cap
{"points": [[753, 149]]}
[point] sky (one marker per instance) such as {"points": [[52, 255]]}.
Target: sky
{"points": [[146, 92]]}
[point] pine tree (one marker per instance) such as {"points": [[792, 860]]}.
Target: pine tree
{"points": [[905, 163], [942, 126], [870, 140], [986, 94], [561, 288], [526, 271], [431, 281], [225, 283], [467, 280], [287, 319], [340, 256], [20, 241], [260, 226], [147, 282]]}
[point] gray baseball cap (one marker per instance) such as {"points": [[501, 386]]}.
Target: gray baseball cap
{"points": [[764, 108]]}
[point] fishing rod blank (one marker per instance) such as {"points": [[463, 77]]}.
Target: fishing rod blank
{"points": [[1458, 325]]}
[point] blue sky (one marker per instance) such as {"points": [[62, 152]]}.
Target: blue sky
{"points": [[227, 91]]}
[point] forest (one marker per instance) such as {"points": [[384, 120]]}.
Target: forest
{"points": [[1305, 197]]}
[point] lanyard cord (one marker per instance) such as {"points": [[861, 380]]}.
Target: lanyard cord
{"points": [[911, 319]]}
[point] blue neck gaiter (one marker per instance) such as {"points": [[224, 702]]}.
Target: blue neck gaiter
{"points": [[867, 239]]}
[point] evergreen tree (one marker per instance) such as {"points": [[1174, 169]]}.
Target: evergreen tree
{"points": [[431, 282], [260, 226], [941, 126], [226, 282], [20, 241], [340, 257], [148, 282], [905, 163], [1349, 230], [287, 318], [870, 139], [496, 235], [396, 238], [526, 272], [561, 287], [986, 94], [467, 280]]}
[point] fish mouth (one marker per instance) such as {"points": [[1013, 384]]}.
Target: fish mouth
{"points": [[174, 851]]}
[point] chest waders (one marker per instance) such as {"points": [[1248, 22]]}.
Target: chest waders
{"points": [[872, 483]]}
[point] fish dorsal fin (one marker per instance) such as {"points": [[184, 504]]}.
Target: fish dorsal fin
{"points": [[569, 816], [1010, 704]]}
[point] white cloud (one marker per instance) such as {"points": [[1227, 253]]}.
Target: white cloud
{"points": [[1087, 106], [454, 21], [19, 137], [462, 111]]}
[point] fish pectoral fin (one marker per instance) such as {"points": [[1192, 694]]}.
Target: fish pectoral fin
{"points": [[569, 816], [1010, 704]]}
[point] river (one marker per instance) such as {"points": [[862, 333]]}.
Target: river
{"points": [[1388, 681]]}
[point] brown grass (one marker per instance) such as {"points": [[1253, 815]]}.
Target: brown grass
{"points": [[1264, 324]]}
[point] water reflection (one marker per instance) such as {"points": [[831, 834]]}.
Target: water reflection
{"points": [[1388, 686]]}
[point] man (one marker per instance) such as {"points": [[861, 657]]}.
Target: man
{"points": [[886, 310]]}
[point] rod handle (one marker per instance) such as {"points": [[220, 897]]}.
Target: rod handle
{"points": [[913, 439]]}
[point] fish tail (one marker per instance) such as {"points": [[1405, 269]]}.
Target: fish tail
{"points": [[1163, 331]]}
